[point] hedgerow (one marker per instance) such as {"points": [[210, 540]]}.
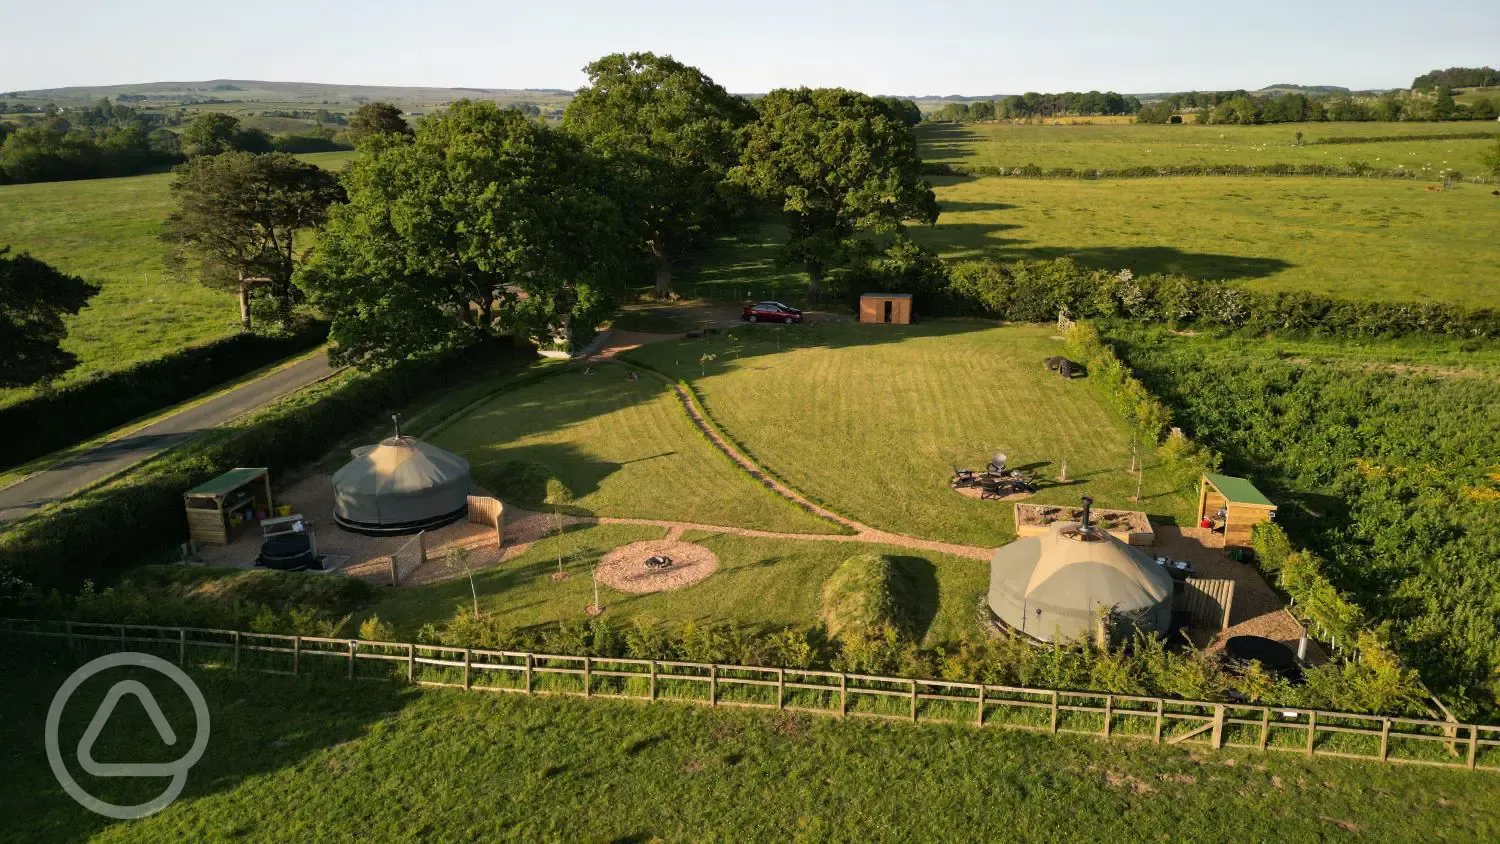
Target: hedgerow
{"points": [[1354, 169]]}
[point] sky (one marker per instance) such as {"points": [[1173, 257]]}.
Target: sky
{"points": [[914, 47]]}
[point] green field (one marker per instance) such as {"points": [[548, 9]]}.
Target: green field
{"points": [[621, 448], [316, 760], [106, 230], [871, 420], [761, 585], [1134, 145], [1354, 238]]}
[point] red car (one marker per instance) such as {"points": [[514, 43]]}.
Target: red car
{"points": [[771, 312]]}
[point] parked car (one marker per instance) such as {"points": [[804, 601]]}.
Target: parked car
{"points": [[771, 312]]}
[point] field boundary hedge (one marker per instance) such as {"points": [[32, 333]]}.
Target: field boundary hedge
{"points": [[60, 418], [1032, 171], [109, 528]]}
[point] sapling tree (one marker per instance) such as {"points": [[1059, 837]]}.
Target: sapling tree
{"points": [[459, 559]]}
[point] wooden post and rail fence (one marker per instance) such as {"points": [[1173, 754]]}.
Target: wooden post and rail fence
{"points": [[1198, 724]]}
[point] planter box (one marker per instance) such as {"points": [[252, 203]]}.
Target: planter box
{"points": [[1134, 528]]}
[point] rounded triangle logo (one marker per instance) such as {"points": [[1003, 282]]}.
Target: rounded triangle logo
{"points": [[177, 770]]}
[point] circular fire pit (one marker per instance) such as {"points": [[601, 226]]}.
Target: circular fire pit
{"points": [[656, 566]]}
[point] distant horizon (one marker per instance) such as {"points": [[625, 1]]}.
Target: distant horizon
{"points": [[565, 90], [945, 46]]}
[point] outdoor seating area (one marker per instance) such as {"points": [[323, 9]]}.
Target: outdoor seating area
{"points": [[997, 481]]}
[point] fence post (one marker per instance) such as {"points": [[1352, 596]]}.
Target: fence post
{"points": [[914, 700], [843, 694], [1473, 746], [352, 646], [1218, 733], [468, 657], [588, 676], [296, 655], [181, 646], [1385, 738], [530, 661], [713, 685], [236, 650], [411, 663], [1265, 727], [653, 679], [1054, 711], [72, 648], [781, 688], [1109, 713], [979, 716], [1312, 731], [122, 637], [1161, 715]]}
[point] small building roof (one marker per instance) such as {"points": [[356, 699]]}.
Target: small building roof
{"points": [[1238, 490], [885, 296], [227, 482]]}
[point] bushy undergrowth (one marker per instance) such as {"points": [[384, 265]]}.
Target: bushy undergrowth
{"points": [[1393, 481]]}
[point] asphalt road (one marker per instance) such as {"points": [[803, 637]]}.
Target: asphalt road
{"points": [[22, 499]]}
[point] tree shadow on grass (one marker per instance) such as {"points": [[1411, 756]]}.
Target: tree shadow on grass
{"points": [[917, 595]]}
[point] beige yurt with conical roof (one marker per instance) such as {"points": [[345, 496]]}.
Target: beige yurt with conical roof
{"points": [[401, 485], [1050, 587]]}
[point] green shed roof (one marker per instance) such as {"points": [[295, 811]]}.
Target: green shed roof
{"points": [[227, 482], [1238, 490]]}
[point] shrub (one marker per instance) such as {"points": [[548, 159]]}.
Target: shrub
{"points": [[860, 599]]}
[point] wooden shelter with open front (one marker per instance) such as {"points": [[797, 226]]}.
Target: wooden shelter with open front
{"points": [[1242, 504], [211, 506], [885, 307]]}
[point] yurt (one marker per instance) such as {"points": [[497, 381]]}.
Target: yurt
{"points": [[402, 485], [1050, 587]]}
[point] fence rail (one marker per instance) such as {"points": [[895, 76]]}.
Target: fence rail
{"points": [[1201, 724]]}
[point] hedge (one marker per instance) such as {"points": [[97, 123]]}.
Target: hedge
{"points": [[1036, 291], [105, 530], [60, 418], [1032, 171]]}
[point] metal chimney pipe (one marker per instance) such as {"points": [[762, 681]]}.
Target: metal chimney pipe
{"points": [[396, 420], [1087, 504]]}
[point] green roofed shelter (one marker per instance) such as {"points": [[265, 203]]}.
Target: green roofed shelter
{"points": [[212, 505], [1232, 506]]}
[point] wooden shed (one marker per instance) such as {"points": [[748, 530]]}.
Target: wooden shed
{"points": [[1234, 506], [885, 307], [211, 506]]}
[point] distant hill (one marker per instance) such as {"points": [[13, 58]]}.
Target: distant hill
{"points": [[1287, 88], [297, 93]]}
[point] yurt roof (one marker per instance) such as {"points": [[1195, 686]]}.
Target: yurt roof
{"points": [[400, 464], [1070, 572]]}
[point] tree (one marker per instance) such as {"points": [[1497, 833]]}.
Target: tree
{"points": [[669, 131], [840, 167], [237, 219], [1492, 159], [377, 118], [34, 298], [1443, 108], [211, 133], [445, 228]]}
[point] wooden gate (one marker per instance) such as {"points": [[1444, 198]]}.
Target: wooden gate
{"points": [[1208, 601]]}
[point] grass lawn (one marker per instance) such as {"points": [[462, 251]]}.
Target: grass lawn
{"points": [[106, 230], [623, 448], [1355, 238], [1137, 145], [761, 585], [304, 760], [871, 420]]}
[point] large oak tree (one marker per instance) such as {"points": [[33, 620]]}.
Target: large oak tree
{"points": [[482, 220], [669, 131], [843, 167], [34, 298], [237, 219]]}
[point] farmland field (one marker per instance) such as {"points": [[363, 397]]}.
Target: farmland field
{"points": [[620, 448], [106, 230], [1127, 145], [871, 420], [1353, 238], [390, 763]]}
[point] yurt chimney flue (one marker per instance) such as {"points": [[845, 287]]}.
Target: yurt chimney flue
{"points": [[1087, 503], [396, 420]]}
